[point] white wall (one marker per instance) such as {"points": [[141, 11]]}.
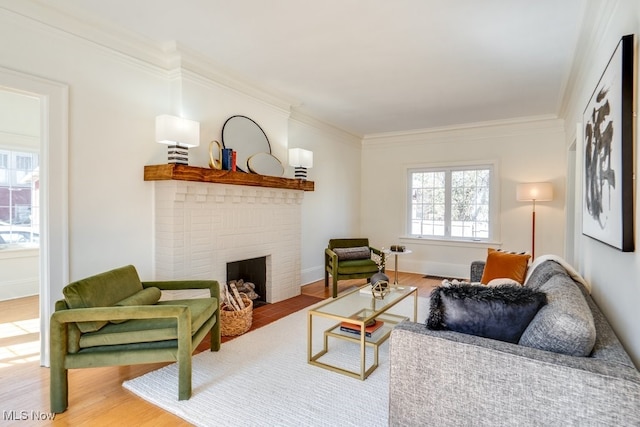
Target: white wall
{"points": [[526, 151], [19, 270], [614, 275], [332, 210]]}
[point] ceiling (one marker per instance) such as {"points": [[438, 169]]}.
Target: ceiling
{"points": [[374, 66]]}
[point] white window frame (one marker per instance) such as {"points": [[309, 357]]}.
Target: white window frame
{"points": [[18, 235], [494, 200]]}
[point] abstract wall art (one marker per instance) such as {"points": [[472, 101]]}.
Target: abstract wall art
{"points": [[608, 144]]}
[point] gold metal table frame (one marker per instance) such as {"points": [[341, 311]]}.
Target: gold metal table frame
{"points": [[358, 308]]}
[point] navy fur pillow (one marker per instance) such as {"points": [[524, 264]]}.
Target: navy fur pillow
{"points": [[500, 312]]}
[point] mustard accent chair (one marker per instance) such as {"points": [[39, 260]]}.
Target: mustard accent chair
{"points": [[114, 319], [343, 269]]}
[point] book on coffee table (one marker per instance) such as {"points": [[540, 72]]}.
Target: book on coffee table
{"points": [[355, 329]]}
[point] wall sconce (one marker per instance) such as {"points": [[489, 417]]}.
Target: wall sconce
{"points": [[179, 134], [534, 192], [301, 160]]}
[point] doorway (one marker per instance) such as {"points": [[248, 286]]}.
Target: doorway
{"points": [[53, 184], [20, 138]]}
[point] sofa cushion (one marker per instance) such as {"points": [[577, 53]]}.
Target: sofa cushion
{"points": [[102, 290], [502, 264], [565, 325], [147, 296], [501, 312], [359, 252], [150, 330]]}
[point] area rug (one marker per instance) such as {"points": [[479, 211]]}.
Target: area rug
{"points": [[263, 379]]}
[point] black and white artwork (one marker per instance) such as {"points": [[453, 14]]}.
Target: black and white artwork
{"points": [[608, 153]]}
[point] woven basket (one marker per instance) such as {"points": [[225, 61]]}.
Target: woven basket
{"points": [[233, 322]]}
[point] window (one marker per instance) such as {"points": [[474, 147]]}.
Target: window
{"points": [[451, 202], [19, 185]]}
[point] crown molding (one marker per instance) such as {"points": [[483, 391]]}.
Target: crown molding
{"points": [[467, 131], [197, 67], [327, 128], [88, 28], [596, 19], [167, 59]]}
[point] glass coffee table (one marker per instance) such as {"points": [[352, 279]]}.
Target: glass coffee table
{"points": [[358, 308]]}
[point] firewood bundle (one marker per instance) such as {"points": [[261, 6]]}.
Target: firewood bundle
{"points": [[247, 288], [232, 299]]}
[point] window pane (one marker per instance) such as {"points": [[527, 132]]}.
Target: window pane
{"points": [[451, 203], [470, 203], [19, 222], [427, 203]]}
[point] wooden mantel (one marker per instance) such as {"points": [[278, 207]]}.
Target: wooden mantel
{"points": [[192, 173]]}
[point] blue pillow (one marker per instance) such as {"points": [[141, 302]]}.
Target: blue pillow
{"points": [[501, 312]]}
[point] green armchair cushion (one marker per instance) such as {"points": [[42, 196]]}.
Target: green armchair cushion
{"points": [[102, 290], [150, 330], [147, 296], [358, 252], [357, 266]]}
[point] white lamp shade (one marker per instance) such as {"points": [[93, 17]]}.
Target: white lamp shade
{"points": [[300, 158], [538, 191], [174, 130]]}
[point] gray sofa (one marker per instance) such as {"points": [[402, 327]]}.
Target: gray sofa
{"points": [[448, 378]]}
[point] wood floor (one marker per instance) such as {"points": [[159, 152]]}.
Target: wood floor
{"points": [[96, 395]]}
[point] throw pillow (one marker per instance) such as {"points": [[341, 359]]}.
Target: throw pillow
{"points": [[507, 265], [147, 296], [502, 281], [566, 324], [101, 290], [359, 252], [501, 312]]}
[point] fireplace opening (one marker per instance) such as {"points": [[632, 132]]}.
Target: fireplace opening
{"points": [[253, 271]]}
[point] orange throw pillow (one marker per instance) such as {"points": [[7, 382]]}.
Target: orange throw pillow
{"points": [[505, 265]]}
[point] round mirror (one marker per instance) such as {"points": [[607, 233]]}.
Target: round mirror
{"points": [[246, 137], [265, 164]]}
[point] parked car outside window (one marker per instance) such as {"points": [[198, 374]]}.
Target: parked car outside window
{"points": [[18, 235]]}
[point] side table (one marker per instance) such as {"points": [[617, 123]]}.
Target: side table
{"points": [[396, 253]]}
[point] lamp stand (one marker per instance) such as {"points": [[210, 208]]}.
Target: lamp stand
{"points": [[301, 173], [533, 231], [177, 154]]}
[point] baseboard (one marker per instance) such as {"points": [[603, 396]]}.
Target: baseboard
{"points": [[12, 289], [310, 275], [438, 269]]}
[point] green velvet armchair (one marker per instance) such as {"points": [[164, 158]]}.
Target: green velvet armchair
{"points": [[114, 319], [349, 259]]}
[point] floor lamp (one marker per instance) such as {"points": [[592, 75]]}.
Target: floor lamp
{"points": [[534, 192]]}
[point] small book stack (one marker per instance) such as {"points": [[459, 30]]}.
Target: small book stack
{"points": [[228, 159], [355, 329]]}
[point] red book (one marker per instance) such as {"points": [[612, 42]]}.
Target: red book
{"points": [[355, 329], [234, 156]]}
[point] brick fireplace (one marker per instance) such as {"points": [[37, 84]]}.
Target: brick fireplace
{"points": [[201, 226]]}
